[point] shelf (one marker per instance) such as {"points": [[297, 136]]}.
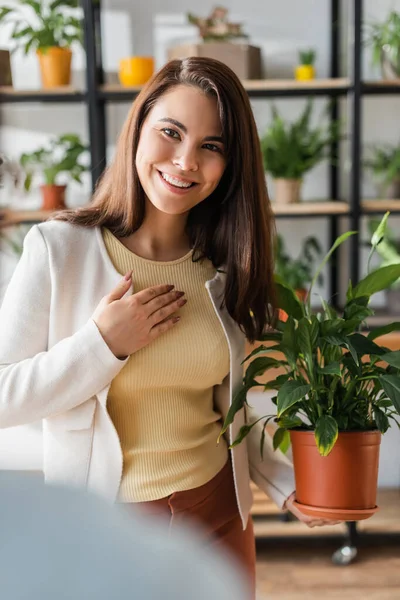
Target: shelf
{"points": [[8, 94], [384, 86], [380, 206], [301, 209], [311, 209], [255, 88], [23, 217]]}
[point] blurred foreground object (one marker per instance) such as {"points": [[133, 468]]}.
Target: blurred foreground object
{"points": [[59, 544]]}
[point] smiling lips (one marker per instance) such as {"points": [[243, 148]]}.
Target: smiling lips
{"points": [[177, 184]]}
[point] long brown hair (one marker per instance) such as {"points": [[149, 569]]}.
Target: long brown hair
{"points": [[234, 226]]}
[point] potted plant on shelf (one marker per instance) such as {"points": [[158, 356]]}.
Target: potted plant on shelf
{"points": [[305, 70], [338, 394], [222, 40], [384, 164], [51, 33], [290, 150], [384, 39], [63, 154], [297, 272], [389, 253]]}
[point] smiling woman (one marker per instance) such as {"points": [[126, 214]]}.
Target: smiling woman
{"points": [[180, 230]]}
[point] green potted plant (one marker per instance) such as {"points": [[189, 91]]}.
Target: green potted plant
{"points": [[384, 164], [338, 393], [384, 40], [305, 70], [297, 272], [290, 150], [389, 253], [63, 154], [51, 32]]}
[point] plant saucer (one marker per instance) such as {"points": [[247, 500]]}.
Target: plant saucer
{"points": [[336, 514]]}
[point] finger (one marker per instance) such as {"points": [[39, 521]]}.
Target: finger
{"points": [[150, 293], [164, 300], [163, 327], [122, 287], [166, 311]]}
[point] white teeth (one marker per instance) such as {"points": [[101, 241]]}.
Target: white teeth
{"points": [[175, 182]]}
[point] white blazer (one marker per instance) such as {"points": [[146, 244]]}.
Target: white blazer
{"points": [[55, 366]]}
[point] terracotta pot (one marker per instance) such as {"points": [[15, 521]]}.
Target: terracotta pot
{"points": [[342, 485], [55, 66], [302, 295], [53, 196], [287, 191]]}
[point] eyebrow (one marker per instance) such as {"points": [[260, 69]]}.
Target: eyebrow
{"points": [[210, 138]]}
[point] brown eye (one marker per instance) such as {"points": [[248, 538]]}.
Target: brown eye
{"points": [[170, 132]]}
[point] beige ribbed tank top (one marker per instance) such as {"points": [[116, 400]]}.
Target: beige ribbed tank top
{"points": [[161, 402]]}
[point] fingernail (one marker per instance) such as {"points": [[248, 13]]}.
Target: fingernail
{"points": [[170, 288], [176, 319], [128, 276]]}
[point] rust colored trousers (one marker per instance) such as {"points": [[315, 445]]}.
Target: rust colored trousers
{"points": [[212, 507]]}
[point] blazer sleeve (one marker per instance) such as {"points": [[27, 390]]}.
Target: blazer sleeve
{"points": [[274, 472], [37, 382]]}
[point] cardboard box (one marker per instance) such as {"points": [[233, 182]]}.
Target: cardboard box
{"points": [[5, 68], [243, 59]]}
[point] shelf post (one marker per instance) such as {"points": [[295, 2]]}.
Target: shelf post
{"points": [[94, 77], [355, 141], [334, 187]]}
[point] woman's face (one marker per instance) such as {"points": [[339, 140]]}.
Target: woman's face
{"points": [[180, 157]]}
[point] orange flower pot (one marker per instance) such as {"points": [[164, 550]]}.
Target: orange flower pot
{"points": [[135, 70], [340, 486], [55, 66], [53, 196]]}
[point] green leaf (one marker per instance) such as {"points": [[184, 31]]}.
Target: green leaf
{"points": [[281, 440], [243, 432], [271, 336], [378, 280], [290, 393], [277, 383], [304, 339], [381, 420], [331, 369], [379, 331], [363, 345], [259, 365], [263, 350], [290, 422], [288, 301], [392, 358], [379, 233], [391, 386], [326, 434], [237, 404]]}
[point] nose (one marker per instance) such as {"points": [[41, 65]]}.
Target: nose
{"points": [[186, 159]]}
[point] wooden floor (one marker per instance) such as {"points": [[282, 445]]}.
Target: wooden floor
{"points": [[295, 562], [301, 572]]}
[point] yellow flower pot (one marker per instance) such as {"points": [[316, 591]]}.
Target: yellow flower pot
{"points": [[55, 66], [135, 70], [304, 72]]}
